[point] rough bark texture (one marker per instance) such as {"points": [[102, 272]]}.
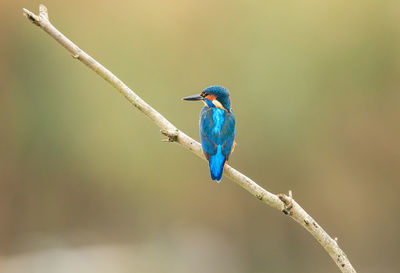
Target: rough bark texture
{"points": [[284, 203]]}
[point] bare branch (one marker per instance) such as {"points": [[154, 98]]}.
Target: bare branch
{"points": [[282, 202]]}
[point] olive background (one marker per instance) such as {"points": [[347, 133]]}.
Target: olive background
{"points": [[86, 185]]}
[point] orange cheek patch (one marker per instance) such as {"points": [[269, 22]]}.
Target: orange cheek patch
{"points": [[211, 97]]}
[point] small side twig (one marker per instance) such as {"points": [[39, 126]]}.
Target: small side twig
{"points": [[287, 201], [171, 134]]}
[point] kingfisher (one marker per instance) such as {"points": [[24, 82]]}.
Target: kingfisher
{"points": [[217, 128]]}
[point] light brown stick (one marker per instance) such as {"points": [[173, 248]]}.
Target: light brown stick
{"points": [[284, 203]]}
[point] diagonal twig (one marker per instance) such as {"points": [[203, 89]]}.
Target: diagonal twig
{"points": [[282, 202]]}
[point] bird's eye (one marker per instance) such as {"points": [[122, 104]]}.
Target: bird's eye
{"points": [[203, 94]]}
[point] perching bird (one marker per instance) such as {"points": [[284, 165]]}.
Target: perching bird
{"points": [[217, 128]]}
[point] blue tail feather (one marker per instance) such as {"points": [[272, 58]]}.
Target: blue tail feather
{"points": [[217, 163]]}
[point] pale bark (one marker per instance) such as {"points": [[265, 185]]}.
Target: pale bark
{"points": [[282, 202]]}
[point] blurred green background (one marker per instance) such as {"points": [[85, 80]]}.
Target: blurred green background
{"points": [[86, 185]]}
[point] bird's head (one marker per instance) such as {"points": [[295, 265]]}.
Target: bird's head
{"points": [[214, 96]]}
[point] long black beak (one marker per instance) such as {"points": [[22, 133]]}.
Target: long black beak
{"points": [[194, 97]]}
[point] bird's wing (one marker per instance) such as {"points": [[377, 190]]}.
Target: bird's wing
{"points": [[228, 134], [206, 126]]}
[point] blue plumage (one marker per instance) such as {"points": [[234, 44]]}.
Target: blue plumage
{"points": [[217, 128], [216, 164]]}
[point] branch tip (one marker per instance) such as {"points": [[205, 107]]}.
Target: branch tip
{"points": [[31, 17], [43, 12]]}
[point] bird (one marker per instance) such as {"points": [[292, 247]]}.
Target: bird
{"points": [[217, 127]]}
